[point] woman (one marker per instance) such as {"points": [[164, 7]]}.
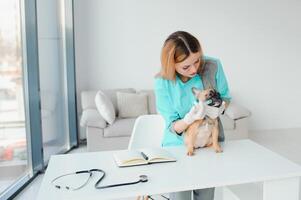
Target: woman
{"points": [[184, 66]]}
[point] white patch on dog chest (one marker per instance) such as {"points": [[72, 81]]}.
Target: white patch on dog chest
{"points": [[203, 136]]}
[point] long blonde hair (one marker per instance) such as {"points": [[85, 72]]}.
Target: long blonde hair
{"points": [[177, 47]]}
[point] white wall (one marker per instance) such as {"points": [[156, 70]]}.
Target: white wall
{"points": [[118, 45]]}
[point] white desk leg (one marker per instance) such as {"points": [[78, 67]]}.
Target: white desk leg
{"points": [[281, 189]]}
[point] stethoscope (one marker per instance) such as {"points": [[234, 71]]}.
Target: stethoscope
{"points": [[142, 179]]}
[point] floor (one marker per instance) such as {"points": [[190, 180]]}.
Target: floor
{"points": [[32, 189], [285, 142]]}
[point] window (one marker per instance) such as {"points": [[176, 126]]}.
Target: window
{"points": [[13, 145], [37, 88]]}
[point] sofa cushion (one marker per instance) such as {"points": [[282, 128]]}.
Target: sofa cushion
{"points": [[113, 96], [92, 118], [151, 99], [131, 105], [105, 107], [228, 123], [88, 97], [121, 127]]}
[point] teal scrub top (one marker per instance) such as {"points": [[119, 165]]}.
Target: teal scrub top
{"points": [[175, 98]]}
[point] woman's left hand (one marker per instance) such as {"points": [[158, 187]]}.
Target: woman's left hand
{"points": [[214, 112]]}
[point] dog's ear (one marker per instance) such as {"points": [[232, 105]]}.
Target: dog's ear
{"points": [[195, 91]]}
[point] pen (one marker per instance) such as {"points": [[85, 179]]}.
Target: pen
{"points": [[144, 156]]}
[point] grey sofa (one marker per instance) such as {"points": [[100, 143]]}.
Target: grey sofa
{"points": [[102, 136]]}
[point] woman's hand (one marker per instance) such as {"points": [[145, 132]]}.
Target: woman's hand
{"points": [[196, 112], [214, 112]]}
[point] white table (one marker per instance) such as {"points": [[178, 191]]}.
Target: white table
{"points": [[241, 162]]}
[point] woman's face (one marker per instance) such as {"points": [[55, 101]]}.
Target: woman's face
{"points": [[189, 67]]}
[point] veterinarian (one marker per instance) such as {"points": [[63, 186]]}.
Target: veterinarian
{"points": [[184, 66]]}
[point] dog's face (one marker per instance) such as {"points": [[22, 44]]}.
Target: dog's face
{"points": [[210, 95], [215, 99]]}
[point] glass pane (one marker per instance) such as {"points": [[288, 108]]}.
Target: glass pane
{"points": [[52, 77], [13, 149]]}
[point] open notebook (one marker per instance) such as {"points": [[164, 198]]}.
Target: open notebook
{"points": [[142, 157]]}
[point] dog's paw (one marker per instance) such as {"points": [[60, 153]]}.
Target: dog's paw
{"points": [[190, 152], [218, 149]]}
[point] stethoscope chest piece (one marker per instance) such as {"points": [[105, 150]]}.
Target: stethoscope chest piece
{"points": [[143, 178]]}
